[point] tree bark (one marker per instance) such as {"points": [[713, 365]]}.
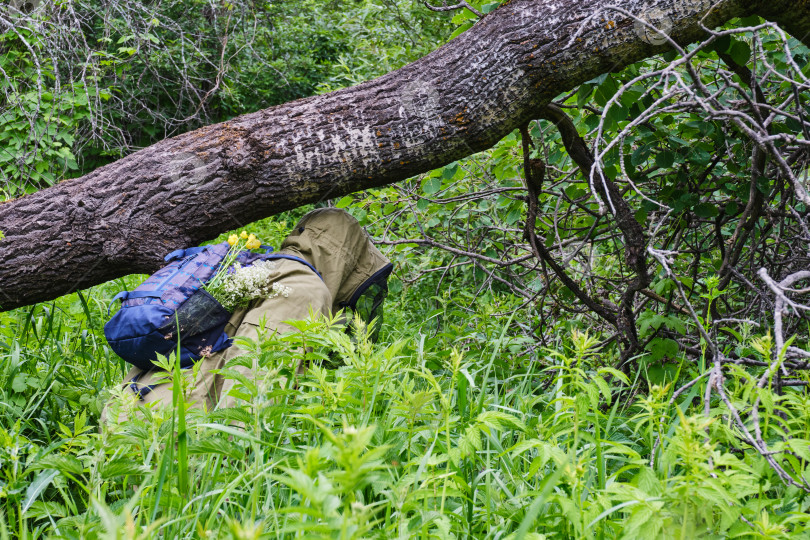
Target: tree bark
{"points": [[462, 98]]}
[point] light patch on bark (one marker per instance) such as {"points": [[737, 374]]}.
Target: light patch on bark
{"points": [[185, 171]]}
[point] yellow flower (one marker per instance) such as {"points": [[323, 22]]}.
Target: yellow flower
{"points": [[233, 239], [244, 235], [252, 242]]}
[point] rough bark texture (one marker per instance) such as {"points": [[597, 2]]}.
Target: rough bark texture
{"points": [[463, 98]]}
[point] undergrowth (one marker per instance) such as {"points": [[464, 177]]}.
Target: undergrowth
{"points": [[439, 430]]}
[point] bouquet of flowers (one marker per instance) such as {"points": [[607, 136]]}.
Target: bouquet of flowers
{"points": [[234, 285]]}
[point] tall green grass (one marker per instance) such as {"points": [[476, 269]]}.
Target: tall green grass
{"points": [[441, 430]]}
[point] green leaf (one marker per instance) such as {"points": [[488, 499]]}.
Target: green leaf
{"points": [[740, 51], [614, 115], [461, 29], [513, 215], [431, 185], [665, 159], [663, 348], [463, 15], [465, 447], [631, 97], [19, 383], [344, 202], [604, 388], [640, 155], [674, 323], [706, 210], [644, 521], [583, 94], [499, 420], [699, 156], [575, 191], [232, 414], [801, 448], [455, 455], [473, 437], [123, 467], [63, 463], [40, 484], [613, 372], [605, 91], [721, 44], [664, 286]]}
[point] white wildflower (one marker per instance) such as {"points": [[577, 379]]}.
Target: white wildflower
{"points": [[282, 290], [248, 283]]}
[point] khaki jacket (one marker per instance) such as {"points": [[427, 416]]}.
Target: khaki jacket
{"points": [[329, 239]]}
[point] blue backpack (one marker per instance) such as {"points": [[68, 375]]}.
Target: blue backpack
{"points": [[173, 298]]}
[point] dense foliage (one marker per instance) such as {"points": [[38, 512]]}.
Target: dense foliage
{"points": [[496, 402], [86, 82]]}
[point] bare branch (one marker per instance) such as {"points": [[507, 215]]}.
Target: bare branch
{"points": [[462, 4]]}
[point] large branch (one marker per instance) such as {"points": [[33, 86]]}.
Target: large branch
{"points": [[463, 98]]}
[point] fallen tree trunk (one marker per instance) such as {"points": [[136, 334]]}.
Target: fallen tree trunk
{"points": [[464, 97]]}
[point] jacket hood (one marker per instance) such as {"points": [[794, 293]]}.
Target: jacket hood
{"points": [[340, 249]]}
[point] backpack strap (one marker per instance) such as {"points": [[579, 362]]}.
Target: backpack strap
{"points": [[185, 252], [144, 390], [293, 258], [126, 295]]}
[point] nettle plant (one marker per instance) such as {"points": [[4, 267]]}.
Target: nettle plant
{"points": [[380, 445]]}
